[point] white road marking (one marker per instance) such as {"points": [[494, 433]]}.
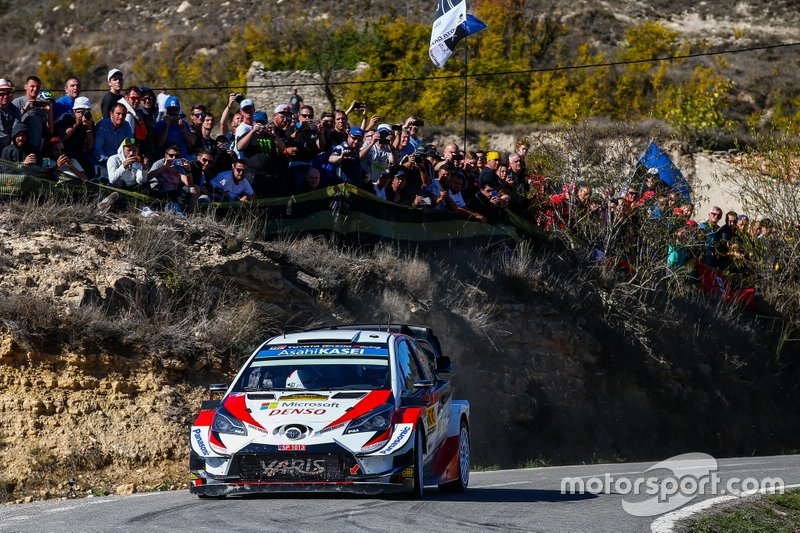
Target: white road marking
{"points": [[20, 517], [502, 484], [59, 509], [665, 523]]}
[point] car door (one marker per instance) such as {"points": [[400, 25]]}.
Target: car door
{"points": [[439, 401]]}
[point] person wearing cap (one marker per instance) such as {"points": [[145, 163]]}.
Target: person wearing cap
{"points": [[282, 120], [109, 134], [72, 90], [9, 113], [65, 165], [247, 109], [20, 150], [381, 154], [126, 170], [382, 185], [346, 158], [114, 79], [173, 129], [76, 129], [260, 148]]}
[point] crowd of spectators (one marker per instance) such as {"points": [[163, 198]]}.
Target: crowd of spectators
{"points": [[145, 142]]}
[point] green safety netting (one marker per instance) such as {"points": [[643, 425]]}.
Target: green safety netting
{"points": [[341, 209]]}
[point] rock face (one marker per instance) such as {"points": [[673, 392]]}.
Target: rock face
{"points": [[102, 367]]}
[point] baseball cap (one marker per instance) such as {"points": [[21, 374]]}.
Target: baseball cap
{"points": [[129, 141], [384, 127], [282, 108], [82, 102], [491, 156], [172, 102], [6, 85], [247, 103], [46, 96], [356, 132], [114, 72], [260, 116]]}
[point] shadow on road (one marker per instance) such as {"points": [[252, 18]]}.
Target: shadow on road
{"points": [[491, 494]]}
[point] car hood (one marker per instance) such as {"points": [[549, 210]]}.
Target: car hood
{"points": [[318, 410]]}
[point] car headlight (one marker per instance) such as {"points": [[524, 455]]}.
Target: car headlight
{"points": [[378, 419], [225, 422]]}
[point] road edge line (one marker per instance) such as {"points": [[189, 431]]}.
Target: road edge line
{"points": [[666, 522]]}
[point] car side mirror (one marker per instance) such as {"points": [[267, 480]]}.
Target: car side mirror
{"points": [[423, 384], [217, 388], [413, 401], [444, 365]]}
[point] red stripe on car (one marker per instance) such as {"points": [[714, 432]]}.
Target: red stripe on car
{"points": [[370, 402]]}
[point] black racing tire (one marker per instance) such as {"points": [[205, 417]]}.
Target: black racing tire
{"points": [[460, 484], [418, 487]]}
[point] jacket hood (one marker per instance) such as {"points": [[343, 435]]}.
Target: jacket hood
{"points": [[18, 128]]}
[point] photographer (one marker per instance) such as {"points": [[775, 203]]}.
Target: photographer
{"points": [[381, 155], [77, 131], [173, 129], [416, 172], [173, 179], [307, 137], [412, 126], [260, 147], [346, 158]]}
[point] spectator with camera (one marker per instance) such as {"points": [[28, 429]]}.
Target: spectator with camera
{"points": [[72, 90], [416, 170], [65, 165], [307, 137], [126, 170], [36, 113], [412, 126], [109, 134], [381, 155], [76, 129], [489, 204], [173, 129], [172, 179], [260, 148], [346, 158], [9, 113], [131, 97]]}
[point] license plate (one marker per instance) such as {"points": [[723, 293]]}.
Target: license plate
{"points": [[292, 447]]}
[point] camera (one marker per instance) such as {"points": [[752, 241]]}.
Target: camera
{"points": [[418, 122], [239, 97], [87, 114], [383, 137], [38, 103], [360, 105], [397, 127], [458, 157]]}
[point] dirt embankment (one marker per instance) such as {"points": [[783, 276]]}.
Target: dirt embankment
{"points": [[553, 370]]}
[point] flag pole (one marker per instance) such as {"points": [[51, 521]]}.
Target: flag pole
{"points": [[465, 94]]}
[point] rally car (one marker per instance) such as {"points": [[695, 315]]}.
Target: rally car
{"points": [[336, 409]]}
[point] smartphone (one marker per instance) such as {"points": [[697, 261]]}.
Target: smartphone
{"points": [[360, 105], [397, 127]]}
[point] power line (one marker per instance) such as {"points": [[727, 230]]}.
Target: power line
{"points": [[482, 74]]}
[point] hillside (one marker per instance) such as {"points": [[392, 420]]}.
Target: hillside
{"points": [[119, 33], [111, 326]]}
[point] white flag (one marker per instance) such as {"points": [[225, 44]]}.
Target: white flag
{"points": [[449, 16]]}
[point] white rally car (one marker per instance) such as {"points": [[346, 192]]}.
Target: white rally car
{"points": [[337, 409]]}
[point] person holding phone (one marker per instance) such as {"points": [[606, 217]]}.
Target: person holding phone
{"points": [[126, 170]]}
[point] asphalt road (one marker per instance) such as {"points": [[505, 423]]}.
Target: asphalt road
{"points": [[504, 500]]}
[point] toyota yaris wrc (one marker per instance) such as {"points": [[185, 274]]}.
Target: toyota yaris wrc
{"points": [[352, 410]]}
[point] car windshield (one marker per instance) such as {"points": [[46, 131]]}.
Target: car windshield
{"points": [[317, 368]]}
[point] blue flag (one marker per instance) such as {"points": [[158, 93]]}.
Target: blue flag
{"points": [[655, 160], [451, 25]]}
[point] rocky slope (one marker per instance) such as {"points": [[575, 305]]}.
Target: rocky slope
{"points": [[100, 384]]}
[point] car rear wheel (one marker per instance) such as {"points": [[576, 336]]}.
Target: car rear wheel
{"points": [[460, 484]]}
